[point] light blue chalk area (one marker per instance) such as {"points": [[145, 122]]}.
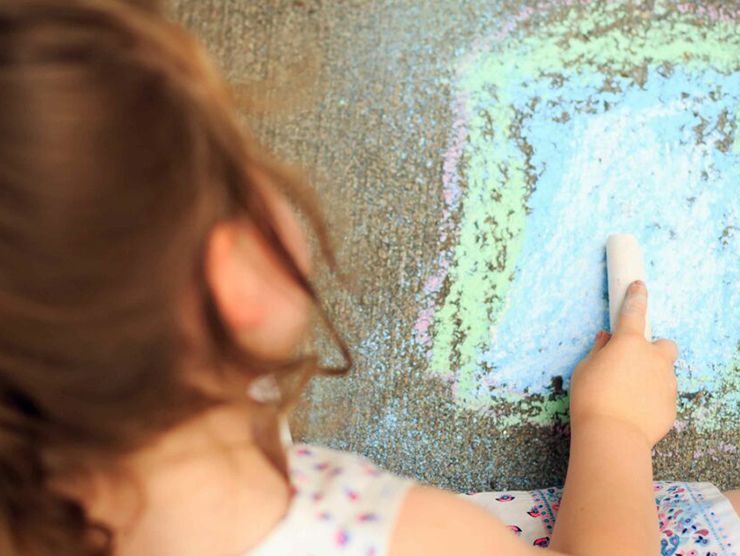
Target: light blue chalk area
{"points": [[629, 161]]}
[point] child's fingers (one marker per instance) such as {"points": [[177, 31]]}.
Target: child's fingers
{"points": [[668, 348], [634, 309], [600, 341]]}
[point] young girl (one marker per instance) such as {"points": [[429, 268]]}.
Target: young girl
{"points": [[153, 278]]}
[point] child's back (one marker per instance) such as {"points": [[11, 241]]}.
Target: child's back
{"points": [[150, 273]]}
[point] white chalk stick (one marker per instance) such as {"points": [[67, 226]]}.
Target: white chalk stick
{"points": [[624, 265]]}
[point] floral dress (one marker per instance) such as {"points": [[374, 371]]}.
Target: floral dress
{"points": [[344, 505], [695, 519]]}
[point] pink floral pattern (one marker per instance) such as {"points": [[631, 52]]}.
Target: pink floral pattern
{"points": [[694, 518], [344, 505]]}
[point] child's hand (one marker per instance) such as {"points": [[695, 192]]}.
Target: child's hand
{"points": [[625, 377]]}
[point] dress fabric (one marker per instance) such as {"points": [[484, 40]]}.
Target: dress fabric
{"points": [[342, 504], [345, 505], [695, 519]]}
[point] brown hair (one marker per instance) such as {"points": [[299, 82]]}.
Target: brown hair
{"points": [[119, 151]]}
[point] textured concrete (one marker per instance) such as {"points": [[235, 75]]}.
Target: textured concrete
{"points": [[443, 137]]}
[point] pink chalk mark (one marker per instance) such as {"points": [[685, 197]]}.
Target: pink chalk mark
{"points": [[451, 191], [724, 14], [680, 425]]}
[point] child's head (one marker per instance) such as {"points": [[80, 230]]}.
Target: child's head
{"points": [[149, 266]]}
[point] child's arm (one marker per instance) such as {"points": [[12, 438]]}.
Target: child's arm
{"points": [[622, 402], [434, 522], [608, 505]]}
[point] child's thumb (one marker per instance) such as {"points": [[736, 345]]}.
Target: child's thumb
{"points": [[634, 309]]}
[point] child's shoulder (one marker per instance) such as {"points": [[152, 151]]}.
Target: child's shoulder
{"points": [[344, 504], [348, 484], [341, 501], [327, 466]]}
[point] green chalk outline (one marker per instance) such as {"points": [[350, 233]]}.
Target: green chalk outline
{"points": [[496, 170]]}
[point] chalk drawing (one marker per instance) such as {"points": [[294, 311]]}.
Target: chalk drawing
{"points": [[595, 123]]}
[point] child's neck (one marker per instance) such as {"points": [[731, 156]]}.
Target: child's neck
{"points": [[205, 489]]}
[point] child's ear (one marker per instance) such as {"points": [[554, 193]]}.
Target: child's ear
{"points": [[235, 282]]}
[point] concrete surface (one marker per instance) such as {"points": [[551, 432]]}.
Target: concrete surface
{"points": [[472, 157]]}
